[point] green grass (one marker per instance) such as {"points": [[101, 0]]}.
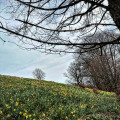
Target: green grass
{"points": [[31, 99]]}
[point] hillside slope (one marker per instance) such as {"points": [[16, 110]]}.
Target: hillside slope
{"points": [[31, 99]]}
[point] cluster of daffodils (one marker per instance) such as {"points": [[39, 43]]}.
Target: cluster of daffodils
{"points": [[46, 101]]}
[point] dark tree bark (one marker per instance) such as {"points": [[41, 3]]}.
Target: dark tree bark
{"points": [[114, 8]]}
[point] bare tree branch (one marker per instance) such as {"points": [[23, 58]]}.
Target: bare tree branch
{"points": [[52, 23]]}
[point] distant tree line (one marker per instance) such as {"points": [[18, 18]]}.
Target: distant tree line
{"points": [[100, 69]]}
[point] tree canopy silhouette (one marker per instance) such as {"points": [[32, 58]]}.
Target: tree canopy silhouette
{"points": [[39, 74], [54, 26]]}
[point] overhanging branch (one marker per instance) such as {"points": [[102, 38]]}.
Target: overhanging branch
{"points": [[116, 41]]}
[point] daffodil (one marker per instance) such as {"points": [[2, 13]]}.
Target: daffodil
{"points": [[43, 114], [8, 115], [20, 113], [66, 117], [92, 107], [24, 114], [6, 105], [1, 112], [26, 117], [16, 104], [73, 115], [25, 110]]}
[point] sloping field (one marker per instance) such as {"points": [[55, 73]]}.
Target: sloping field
{"points": [[31, 99]]}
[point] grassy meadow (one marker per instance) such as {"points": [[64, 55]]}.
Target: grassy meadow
{"points": [[31, 99]]}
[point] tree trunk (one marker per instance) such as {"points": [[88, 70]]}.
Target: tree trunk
{"points": [[115, 11]]}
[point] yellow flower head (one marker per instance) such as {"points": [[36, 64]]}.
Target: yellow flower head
{"points": [[16, 104], [1, 112], [43, 114], [66, 117], [24, 114], [8, 115], [71, 112], [82, 106], [60, 108], [25, 110], [6, 105], [73, 115], [92, 107], [20, 113], [27, 117]]}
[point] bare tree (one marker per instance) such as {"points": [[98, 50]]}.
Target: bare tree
{"points": [[39, 74], [103, 66], [75, 73], [104, 70], [105, 73], [48, 24]]}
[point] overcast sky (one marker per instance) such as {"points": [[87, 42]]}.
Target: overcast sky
{"points": [[17, 62]]}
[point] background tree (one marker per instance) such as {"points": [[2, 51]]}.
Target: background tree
{"points": [[75, 73], [39, 74], [104, 71], [104, 63], [102, 67], [48, 24]]}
